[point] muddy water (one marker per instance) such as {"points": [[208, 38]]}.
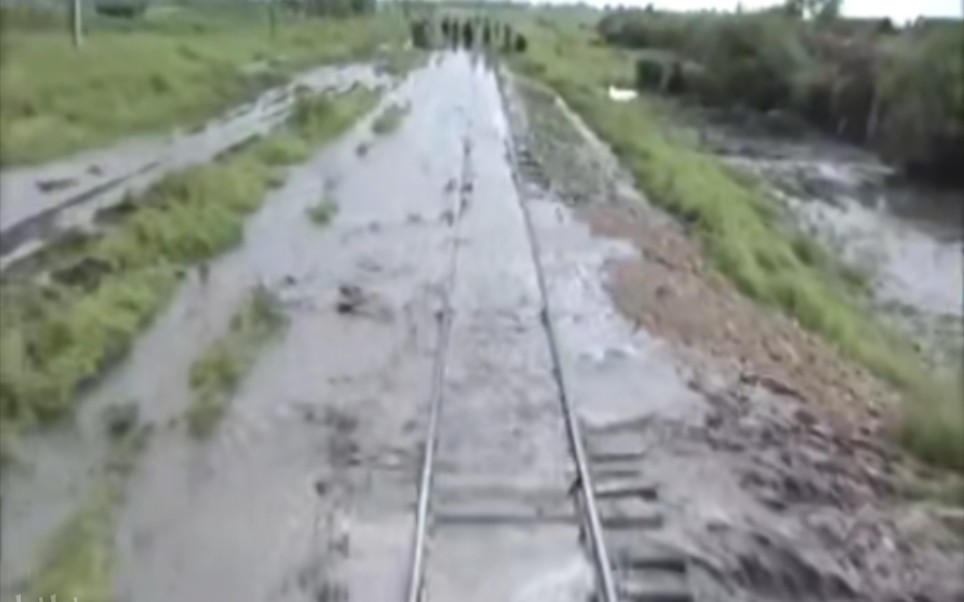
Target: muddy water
{"points": [[908, 238], [306, 490], [38, 202]]}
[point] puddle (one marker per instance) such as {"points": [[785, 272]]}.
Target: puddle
{"points": [[910, 240], [907, 237], [40, 202]]}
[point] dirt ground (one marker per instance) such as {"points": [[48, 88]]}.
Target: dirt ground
{"points": [[787, 487]]}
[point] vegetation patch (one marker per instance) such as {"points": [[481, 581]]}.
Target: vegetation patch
{"points": [[897, 90], [217, 373], [175, 67], [323, 212], [318, 118], [283, 149], [742, 233], [78, 561], [390, 119], [75, 313]]}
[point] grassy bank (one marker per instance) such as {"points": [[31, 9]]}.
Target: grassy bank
{"points": [[740, 228], [61, 330], [78, 561], [176, 68], [216, 374]]}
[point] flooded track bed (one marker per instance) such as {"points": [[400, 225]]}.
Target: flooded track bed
{"points": [[706, 482]]}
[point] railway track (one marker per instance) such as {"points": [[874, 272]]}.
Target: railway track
{"points": [[609, 499]]}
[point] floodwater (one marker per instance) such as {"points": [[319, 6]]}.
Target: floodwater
{"points": [[307, 489], [908, 238], [37, 203]]}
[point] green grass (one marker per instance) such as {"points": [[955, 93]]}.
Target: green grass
{"points": [[59, 333], [218, 371], [742, 233], [318, 118], [315, 119], [78, 561], [390, 119], [283, 149], [176, 69], [323, 212]]}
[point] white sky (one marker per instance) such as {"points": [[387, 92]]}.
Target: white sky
{"points": [[898, 10]]}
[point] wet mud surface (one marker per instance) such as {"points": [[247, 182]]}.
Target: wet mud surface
{"points": [[41, 202]]}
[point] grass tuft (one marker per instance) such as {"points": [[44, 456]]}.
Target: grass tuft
{"points": [[218, 371], [323, 212], [390, 119], [78, 561], [282, 149]]}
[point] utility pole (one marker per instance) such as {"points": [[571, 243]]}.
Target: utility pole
{"points": [[76, 22]]}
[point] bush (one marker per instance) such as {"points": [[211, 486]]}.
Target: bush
{"points": [[902, 93]]}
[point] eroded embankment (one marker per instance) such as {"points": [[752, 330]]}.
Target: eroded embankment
{"points": [[772, 471]]}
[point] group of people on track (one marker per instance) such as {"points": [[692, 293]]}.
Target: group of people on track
{"points": [[472, 32]]}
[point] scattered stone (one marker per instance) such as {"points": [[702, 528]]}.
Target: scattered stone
{"points": [[773, 384], [350, 299], [805, 418], [95, 170], [55, 184], [121, 418], [321, 487], [781, 351], [665, 291]]}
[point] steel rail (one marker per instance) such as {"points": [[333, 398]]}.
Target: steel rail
{"points": [[603, 567], [444, 321]]}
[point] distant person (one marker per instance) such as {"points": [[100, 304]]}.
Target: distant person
{"points": [[486, 34], [467, 34], [456, 30], [445, 28], [520, 43]]}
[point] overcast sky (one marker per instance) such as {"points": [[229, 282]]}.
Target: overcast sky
{"points": [[899, 10]]}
